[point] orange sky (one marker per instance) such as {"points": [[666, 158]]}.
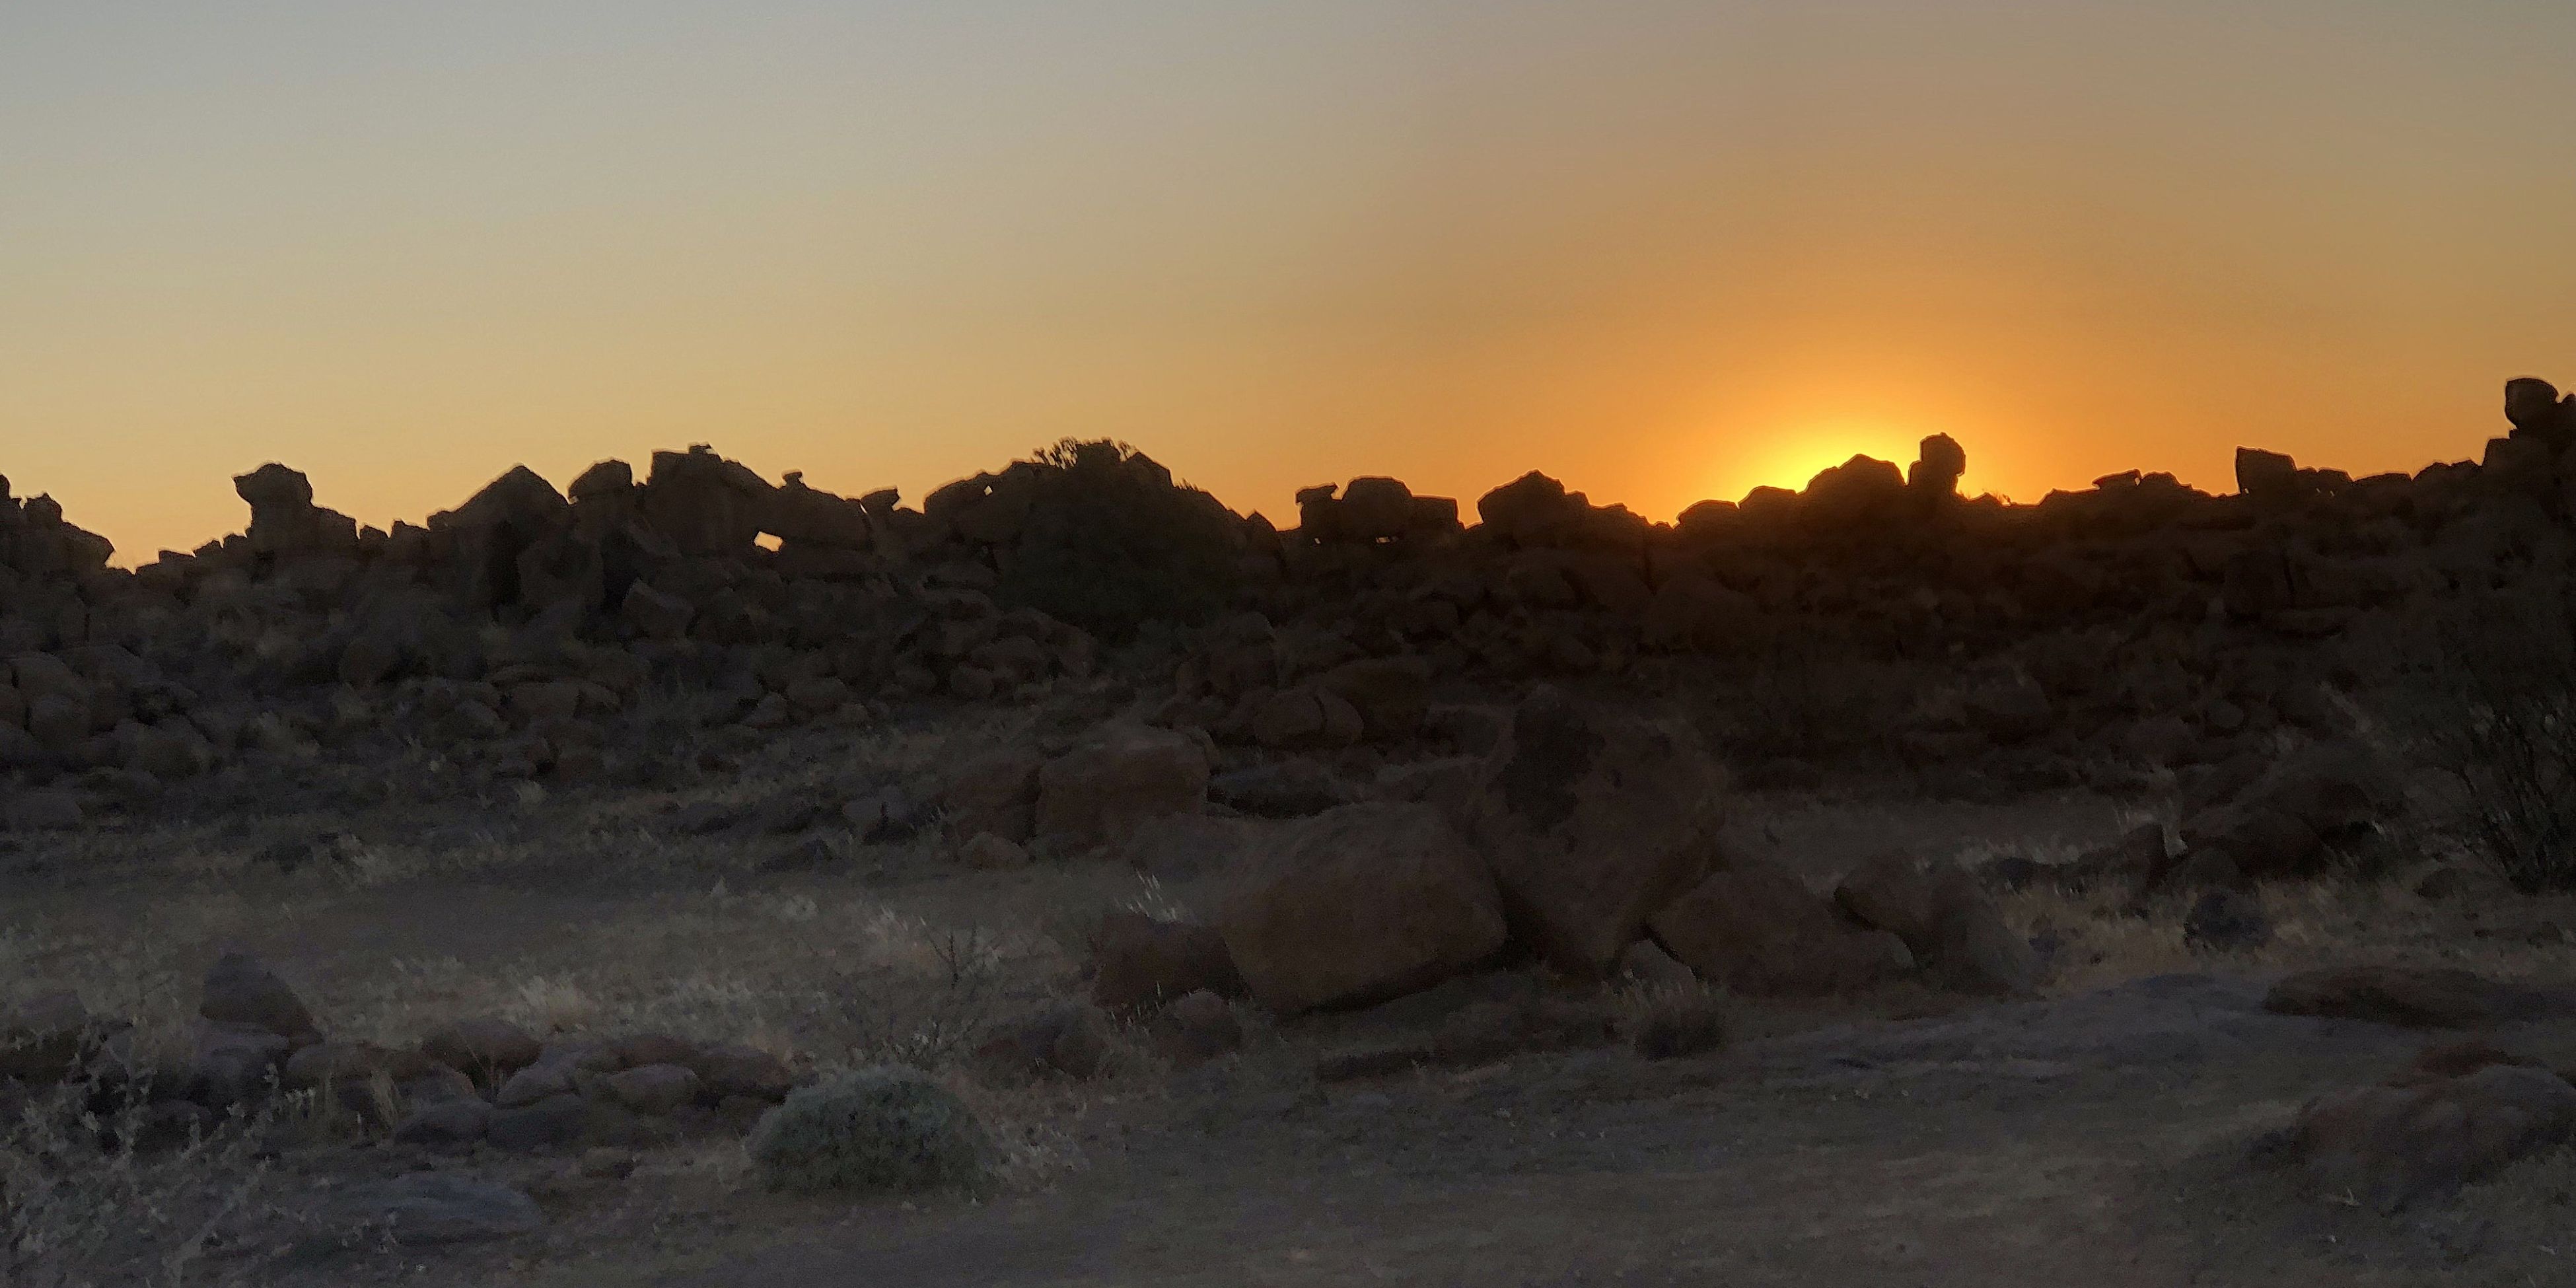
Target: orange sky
{"points": [[1661, 250]]}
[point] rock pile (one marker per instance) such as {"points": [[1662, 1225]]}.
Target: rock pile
{"points": [[477, 1080], [537, 632]]}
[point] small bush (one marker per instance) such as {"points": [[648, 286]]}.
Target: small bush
{"points": [[1670, 1022], [2502, 717], [885, 1129]]}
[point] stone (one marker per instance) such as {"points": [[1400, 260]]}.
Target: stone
{"points": [[2389, 1147], [1755, 928], [550, 1122], [488, 1048], [1391, 695], [639, 1049], [654, 614], [1292, 788], [2227, 920], [445, 1123], [2266, 475], [1646, 964], [726, 1070], [996, 792], [234, 1064], [42, 811], [536, 1082], [2009, 710], [1117, 779], [990, 853], [1196, 1028], [655, 1089], [425, 1209], [1891, 892], [240, 990], [2417, 997], [1138, 963], [1590, 823], [1971, 949], [1357, 905]]}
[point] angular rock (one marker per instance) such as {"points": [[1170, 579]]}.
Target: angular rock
{"points": [[656, 1089], [240, 990], [996, 792], [551, 1122], [445, 1123], [727, 1071], [1102, 790], [1197, 1028], [1138, 963], [1359, 904], [1590, 823], [1756, 929], [1066, 1039], [2390, 1147]]}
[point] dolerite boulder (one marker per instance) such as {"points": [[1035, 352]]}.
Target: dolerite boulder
{"points": [[1948, 922], [1359, 904], [996, 792], [241, 991], [2391, 1146], [1590, 823], [1121, 776], [1138, 962], [1757, 929]]}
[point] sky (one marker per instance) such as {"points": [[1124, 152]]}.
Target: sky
{"points": [[1663, 251]]}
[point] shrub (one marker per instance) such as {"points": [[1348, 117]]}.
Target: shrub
{"points": [[2502, 718], [1672, 1021], [885, 1129]]}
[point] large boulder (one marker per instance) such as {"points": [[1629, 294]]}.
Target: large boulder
{"points": [[240, 990], [2391, 1146], [996, 792], [1122, 775], [1947, 920], [1139, 962], [1757, 929], [1359, 904], [1590, 823]]}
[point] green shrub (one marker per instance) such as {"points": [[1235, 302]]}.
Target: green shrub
{"points": [[885, 1129]]}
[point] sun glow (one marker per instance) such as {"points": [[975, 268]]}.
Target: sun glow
{"points": [[1793, 457]]}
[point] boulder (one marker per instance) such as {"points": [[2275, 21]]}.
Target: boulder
{"points": [[444, 1123], [996, 792], [1590, 823], [1138, 963], [656, 615], [1359, 904], [1389, 694], [2392, 1146], [727, 1070], [1195, 1029], [1119, 777], [240, 990], [1756, 929], [654, 1089], [2416, 997]]}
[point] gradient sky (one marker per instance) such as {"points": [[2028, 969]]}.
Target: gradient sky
{"points": [[1661, 250]]}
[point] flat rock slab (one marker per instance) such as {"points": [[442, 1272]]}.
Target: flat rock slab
{"points": [[2162, 1020], [2412, 997], [433, 1208]]}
